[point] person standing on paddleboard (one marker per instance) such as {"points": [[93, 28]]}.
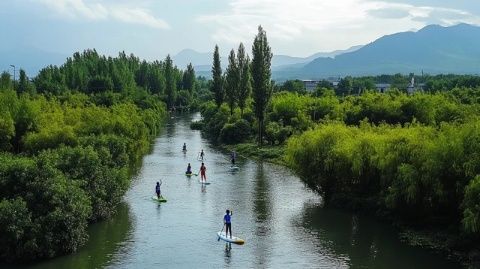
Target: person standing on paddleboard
{"points": [[157, 189], [227, 220], [189, 169], [184, 148], [202, 154], [203, 171], [233, 156]]}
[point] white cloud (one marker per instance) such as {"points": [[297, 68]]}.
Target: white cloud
{"points": [[307, 26], [95, 10]]}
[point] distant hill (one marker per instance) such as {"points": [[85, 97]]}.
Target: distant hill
{"points": [[433, 49], [202, 61], [284, 60]]}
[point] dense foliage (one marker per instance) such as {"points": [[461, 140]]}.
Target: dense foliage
{"points": [[67, 151]]}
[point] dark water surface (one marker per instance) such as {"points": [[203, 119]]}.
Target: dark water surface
{"points": [[280, 219]]}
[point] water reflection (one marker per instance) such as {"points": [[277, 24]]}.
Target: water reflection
{"points": [[105, 239], [262, 211], [228, 253], [365, 242]]}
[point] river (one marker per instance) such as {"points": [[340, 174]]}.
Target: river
{"points": [[281, 220]]}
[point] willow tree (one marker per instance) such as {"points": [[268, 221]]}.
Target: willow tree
{"points": [[231, 81], [244, 84], [217, 85], [261, 74]]}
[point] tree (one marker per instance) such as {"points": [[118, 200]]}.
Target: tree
{"points": [[189, 79], [261, 73], [244, 86], [345, 86], [294, 86], [23, 84], [217, 85], [170, 82], [5, 81], [232, 77]]}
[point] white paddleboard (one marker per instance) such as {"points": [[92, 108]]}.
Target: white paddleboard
{"points": [[234, 239], [234, 167], [203, 182]]}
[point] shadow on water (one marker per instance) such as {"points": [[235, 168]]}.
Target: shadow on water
{"points": [[262, 209], [365, 242], [105, 239]]}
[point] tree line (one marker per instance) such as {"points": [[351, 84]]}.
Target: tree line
{"points": [[70, 140], [412, 158]]}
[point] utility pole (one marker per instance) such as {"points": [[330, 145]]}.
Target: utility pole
{"points": [[14, 77]]}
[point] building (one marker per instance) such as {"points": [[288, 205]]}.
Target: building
{"points": [[310, 85], [382, 87]]}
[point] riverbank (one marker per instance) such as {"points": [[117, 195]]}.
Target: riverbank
{"points": [[440, 240]]}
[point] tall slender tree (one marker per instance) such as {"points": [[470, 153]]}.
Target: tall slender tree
{"points": [[170, 82], [217, 85], [232, 77], [244, 84], [5, 81], [189, 79], [261, 74]]}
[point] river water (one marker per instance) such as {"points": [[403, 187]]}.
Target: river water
{"points": [[281, 220]]}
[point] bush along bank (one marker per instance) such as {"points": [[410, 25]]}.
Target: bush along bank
{"points": [[68, 143], [73, 169], [410, 158]]}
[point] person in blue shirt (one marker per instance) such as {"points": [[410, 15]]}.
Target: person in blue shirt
{"points": [[157, 190], [227, 220], [189, 169]]}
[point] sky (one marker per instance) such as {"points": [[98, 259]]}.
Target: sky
{"points": [[152, 29]]}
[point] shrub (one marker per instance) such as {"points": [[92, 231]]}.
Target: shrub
{"points": [[237, 132]]}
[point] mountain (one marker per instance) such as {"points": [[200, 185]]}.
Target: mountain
{"points": [[433, 49], [284, 60], [202, 61], [186, 56]]}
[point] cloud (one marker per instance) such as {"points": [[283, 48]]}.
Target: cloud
{"points": [[96, 11], [389, 13], [333, 24], [425, 14]]}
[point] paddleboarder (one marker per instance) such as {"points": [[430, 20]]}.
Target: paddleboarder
{"points": [[157, 190], [189, 169], [202, 155], [233, 156], [203, 171], [227, 220], [184, 148]]}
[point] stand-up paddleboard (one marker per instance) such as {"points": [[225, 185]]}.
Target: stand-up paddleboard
{"points": [[203, 182], [188, 174], [234, 167], [161, 200], [234, 239]]}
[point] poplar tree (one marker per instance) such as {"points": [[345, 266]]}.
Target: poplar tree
{"points": [[189, 79], [245, 86], [217, 85], [170, 83], [261, 74], [231, 81]]}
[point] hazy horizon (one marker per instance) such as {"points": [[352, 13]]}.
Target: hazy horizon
{"points": [[153, 29]]}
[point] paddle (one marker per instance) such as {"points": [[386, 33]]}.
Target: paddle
{"points": [[218, 239]]}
